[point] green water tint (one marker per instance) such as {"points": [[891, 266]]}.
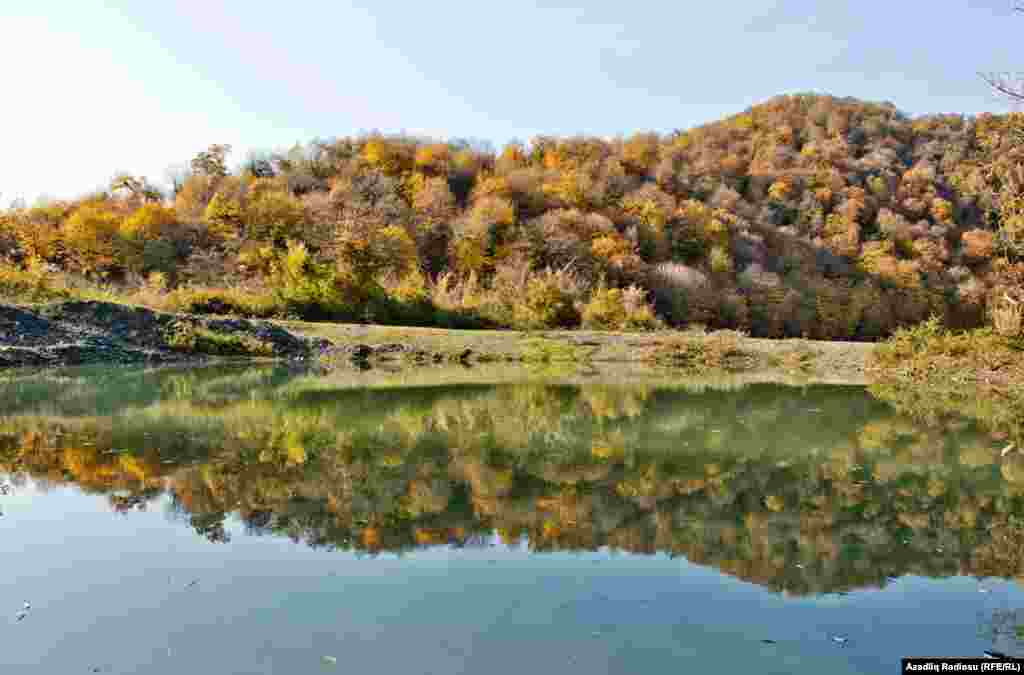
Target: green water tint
{"points": [[646, 510]]}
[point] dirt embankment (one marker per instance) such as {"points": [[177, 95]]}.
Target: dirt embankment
{"points": [[87, 332]]}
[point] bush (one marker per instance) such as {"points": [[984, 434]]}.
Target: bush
{"points": [[276, 216], [978, 245], [36, 231], [682, 294], [618, 309], [199, 340], [92, 239], [310, 289], [1008, 316], [31, 284], [930, 372], [224, 217], [222, 301], [701, 352], [364, 255], [548, 302]]}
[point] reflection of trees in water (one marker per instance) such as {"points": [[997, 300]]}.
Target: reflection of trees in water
{"points": [[807, 491]]}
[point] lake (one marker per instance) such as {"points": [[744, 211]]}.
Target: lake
{"points": [[272, 520]]}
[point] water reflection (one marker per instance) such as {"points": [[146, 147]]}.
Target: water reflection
{"points": [[804, 490]]}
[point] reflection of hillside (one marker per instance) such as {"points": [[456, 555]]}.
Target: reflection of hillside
{"points": [[804, 490]]}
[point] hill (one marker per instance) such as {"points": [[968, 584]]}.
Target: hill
{"points": [[808, 215]]}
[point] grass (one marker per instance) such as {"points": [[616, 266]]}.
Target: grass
{"points": [[930, 372], [1008, 317], [543, 350], [699, 353], [930, 353], [799, 359], [240, 302], [198, 340]]}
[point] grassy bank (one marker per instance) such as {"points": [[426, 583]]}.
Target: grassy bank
{"points": [[690, 353], [931, 373]]}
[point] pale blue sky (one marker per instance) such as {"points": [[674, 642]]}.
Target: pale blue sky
{"points": [[94, 87]]}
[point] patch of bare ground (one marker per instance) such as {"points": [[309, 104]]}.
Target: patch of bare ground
{"points": [[690, 353]]}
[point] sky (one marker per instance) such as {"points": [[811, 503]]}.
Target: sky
{"points": [[94, 88]]}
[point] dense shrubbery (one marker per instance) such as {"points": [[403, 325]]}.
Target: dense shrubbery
{"points": [[805, 216], [934, 373]]}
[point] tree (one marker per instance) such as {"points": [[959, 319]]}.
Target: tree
{"points": [[274, 215], [211, 162], [136, 186], [91, 236], [258, 166], [224, 216], [1008, 86]]}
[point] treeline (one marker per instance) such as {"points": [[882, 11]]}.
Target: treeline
{"points": [[805, 216]]}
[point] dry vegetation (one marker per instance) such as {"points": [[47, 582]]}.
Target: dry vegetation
{"points": [[934, 373]]}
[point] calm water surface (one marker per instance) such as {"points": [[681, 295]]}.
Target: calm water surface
{"points": [[270, 521]]}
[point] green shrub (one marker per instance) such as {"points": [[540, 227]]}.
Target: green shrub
{"points": [[198, 340], [702, 353], [239, 302], [32, 284], [619, 309], [546, 303], [307, 288]]}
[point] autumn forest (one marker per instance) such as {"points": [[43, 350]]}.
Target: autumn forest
{"points": [[807, 215]]}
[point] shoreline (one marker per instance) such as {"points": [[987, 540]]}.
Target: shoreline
{"points": [[97, 333], [688, 353]]}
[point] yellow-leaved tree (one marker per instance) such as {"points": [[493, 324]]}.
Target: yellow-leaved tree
{"points": [[91, 236], [275, 216], [147, 239], [224, 216]]}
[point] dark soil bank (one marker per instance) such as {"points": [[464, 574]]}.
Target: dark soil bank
{"points": [[80, 332]]}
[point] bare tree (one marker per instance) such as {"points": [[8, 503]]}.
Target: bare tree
{"points": [[1007, 85], [137, 186], [211, 162]]}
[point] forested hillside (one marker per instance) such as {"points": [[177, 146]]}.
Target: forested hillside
{"points": [[806, 216]]}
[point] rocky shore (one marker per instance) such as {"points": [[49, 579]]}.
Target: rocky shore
{"points": [[89, 332]]}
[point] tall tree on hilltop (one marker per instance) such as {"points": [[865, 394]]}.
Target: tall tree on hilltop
{"points": [[1007, 85]]}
